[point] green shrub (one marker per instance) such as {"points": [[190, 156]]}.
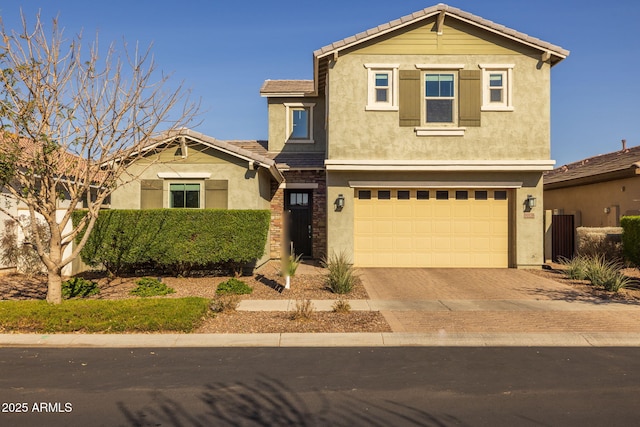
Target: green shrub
{"points": [[606, 274], [292, 264], [176, 240], [341, 277], [79, 287], [631, 239], [233, 286], [575, 268], [105, 316], [150, 287]]}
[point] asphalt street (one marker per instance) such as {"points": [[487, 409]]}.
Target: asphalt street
{"points": [[412, 386]]}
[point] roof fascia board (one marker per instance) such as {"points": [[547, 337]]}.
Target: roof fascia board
{"points": [[377, 34], [437, 12], [592, 179], [514, 38]]}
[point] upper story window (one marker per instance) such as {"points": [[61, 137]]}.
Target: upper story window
{"points": [[440, 96], [382, 87], [440, 99], [184, 195], [497, 84], [299, 122]]}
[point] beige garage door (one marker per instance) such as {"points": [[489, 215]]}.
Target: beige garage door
{"points": [[431, 228]]}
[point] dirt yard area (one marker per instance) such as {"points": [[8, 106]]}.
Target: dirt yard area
{"points": [[267, 284]]}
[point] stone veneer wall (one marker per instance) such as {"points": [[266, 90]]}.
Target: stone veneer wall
{"points": [[319, 214]]}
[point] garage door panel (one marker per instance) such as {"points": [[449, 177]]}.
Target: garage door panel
{"points": [[431, 233]]}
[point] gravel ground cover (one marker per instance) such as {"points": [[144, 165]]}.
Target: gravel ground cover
{"points": [[267, 284]]}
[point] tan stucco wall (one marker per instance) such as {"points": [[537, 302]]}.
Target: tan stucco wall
{"points": [[526, 235], [520, 134], [278, 125], [247, 189], [621, 197]]}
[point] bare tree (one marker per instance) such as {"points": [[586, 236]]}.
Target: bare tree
{"points": [[67, 115]]}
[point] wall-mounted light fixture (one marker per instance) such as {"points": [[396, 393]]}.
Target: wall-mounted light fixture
{"points": [[607, 210], [529, 203], [339, 203]]}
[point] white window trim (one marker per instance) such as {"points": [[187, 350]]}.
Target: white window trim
{"points": [[444, 131], [440, 126], [487, 105], [392, 103], [288, 122]]}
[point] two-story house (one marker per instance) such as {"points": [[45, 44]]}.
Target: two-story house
{"points": [[434, 130], [420, 142]]}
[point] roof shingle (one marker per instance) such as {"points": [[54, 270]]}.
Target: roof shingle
{"points": [[628, 159], [287, 87], [430, 11]]}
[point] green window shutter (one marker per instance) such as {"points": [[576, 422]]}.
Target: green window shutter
{"points": [[151, 194], [409, 98], [216, 193], [470, 97]]}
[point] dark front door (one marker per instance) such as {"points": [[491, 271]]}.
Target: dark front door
{"points": [[562, 237], [298, 206]]}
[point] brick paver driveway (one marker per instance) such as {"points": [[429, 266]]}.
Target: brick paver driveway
{"points": [[490, 300]]}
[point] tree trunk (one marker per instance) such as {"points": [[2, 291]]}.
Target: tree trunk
{"points": [[54, 286], [54, 269]]}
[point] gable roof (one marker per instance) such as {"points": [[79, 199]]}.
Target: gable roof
{"points": [[619, 164], [446, 10], [549, 52], [250, 151]]}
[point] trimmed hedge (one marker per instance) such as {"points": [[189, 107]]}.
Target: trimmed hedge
{"points": [[631, 239], [177, 240]]}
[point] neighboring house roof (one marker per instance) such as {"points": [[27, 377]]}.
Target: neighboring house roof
{"points": [[275, 88], [251, 151], [67, 165], [605, 167]]}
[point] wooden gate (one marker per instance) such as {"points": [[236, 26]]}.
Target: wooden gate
{"points": [[562, 237]]}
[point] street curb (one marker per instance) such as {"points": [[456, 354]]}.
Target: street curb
{"points": [[384, 339]]}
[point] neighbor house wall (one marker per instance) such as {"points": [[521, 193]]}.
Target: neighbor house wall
{"points": [[600, 204]]}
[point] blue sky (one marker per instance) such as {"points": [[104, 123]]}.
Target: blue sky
{"points": [[224, 50]]}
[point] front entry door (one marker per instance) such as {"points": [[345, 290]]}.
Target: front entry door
{"points": [[298, 206]]}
